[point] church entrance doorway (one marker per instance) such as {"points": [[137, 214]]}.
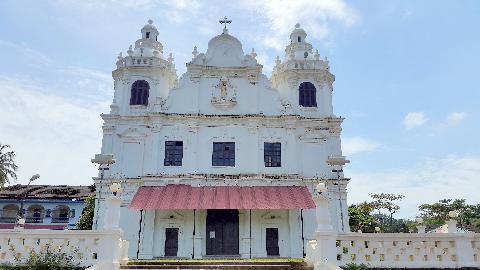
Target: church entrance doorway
{"points": [[272, 242], [222, 232], [171, 242]]}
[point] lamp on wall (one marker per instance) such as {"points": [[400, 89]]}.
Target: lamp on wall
{"points": [[115, 188], [321, 188]]}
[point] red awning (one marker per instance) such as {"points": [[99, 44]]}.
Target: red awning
{"points": [[222, 197]]}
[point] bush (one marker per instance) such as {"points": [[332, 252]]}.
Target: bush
{"points": [[46, 259], [353, 266]]}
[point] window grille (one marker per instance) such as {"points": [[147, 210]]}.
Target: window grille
{"points": [[223, 154], [139, 93], [272, 154], [307, 95], [173, 153]]}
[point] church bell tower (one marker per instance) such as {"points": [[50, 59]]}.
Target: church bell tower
{"points": [[303, 79], [143, 78]]}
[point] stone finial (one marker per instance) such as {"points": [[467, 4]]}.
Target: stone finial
{"points": [[195, 51], [130, 50], [253, 53], [297, 25], [278, 61], [317, 55], [120, 57], [170, 58], [292, 54], [150, 21]]}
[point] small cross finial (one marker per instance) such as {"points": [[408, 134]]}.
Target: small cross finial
{"points": [[225, 20]]}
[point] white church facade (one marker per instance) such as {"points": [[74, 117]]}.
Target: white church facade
{"points": [[222, 161]]}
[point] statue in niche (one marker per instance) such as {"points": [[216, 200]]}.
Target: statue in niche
{"points": [[224, 94], [223, 88]]}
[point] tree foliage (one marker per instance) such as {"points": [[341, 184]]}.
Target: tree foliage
{"points": [[8, 167], [386, 201], [86, 218], [360, 217], [436, 214], [393, 225]]}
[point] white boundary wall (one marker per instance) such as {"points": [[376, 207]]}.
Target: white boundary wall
{"points": [[102, 249], [390, 250], [86, 247], [409, 250]]}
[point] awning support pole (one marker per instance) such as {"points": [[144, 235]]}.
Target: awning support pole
{"points": [[139, 232], [250, 231], [193, 241], [303, 237]]}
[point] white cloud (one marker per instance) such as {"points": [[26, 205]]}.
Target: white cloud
{"points": [[414, 119], [455, 118], [175, 11], [427, 182], [52, 135], [32, 56], [280, 16], [357, 145]]}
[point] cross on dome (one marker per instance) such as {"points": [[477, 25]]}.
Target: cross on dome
{"points": [[225, 20]]}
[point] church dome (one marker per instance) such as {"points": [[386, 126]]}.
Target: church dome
{"points": [[149, 27], [224, 50], [298, 35]]}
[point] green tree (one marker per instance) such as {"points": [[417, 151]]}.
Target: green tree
{"points": [[436, 214], [7, 165], [386, 201], [394, 225], [86, 218], [360, 217]]}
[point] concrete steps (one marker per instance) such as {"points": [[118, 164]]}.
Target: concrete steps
{"points": [[227, 265]]}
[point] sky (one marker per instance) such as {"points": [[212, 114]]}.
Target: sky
{"points": [[407, 81]]}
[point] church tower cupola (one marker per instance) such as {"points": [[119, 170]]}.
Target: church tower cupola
{"points": [[149, 31], [298, 35], [144, 76], [302, 78]]}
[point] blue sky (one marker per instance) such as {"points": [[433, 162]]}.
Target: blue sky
{"points": [[407, 81]]}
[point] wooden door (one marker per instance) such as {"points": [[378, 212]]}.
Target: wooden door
{"points": [[171, 242], [222, 232], [272, 242]]}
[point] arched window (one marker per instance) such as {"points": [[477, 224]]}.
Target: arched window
{"points": [[139, 93], [307, 95], [35, 214], [60, 214], [9, 213], [299, 39]]}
